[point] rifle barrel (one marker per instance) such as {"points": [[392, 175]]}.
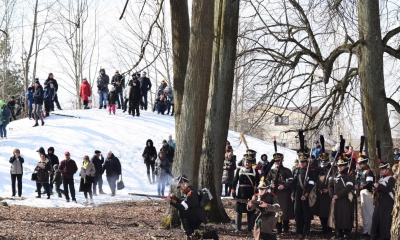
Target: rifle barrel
{"points": [[145, 195]]}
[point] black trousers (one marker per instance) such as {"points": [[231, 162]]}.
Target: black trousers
{"points": [[134, 106], [126, 101], [98, 180], [85, 103], [302, 214], [30, 109], [47, 107], [51, 182], [284, 224], [15, 177], [56, 101], [85, 193], [250, 219], [189, 220], [46, 187], [69, 183]]}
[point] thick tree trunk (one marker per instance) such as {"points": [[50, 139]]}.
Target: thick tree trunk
{"points": [[370, 60], [180, 54], [197, 81], [180, 51], [219, 104], [189, 133]]}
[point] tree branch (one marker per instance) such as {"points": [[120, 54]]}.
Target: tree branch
{"points": [[392, 52], [389, 35], [395, 104]]}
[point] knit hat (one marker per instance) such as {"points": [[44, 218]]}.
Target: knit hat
{"points": [[37, 81], [164, 141], [97, 152]]}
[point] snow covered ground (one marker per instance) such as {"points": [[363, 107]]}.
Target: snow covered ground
{"points": [[123, 134]]}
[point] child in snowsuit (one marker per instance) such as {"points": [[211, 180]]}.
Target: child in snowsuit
{"points": [[57, 180], [112, 99]]}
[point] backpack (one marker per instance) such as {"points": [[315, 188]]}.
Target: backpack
{"points": [[204, 197]]}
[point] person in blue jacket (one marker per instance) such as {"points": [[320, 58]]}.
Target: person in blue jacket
{"points": [[29, 97]]}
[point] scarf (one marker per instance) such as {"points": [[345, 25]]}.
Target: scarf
{"points": [[85, 164]]}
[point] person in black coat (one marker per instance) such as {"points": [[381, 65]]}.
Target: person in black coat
{"points": [[50, 80], [118, 82], [134, 98], [38, 98], [43, 169], [112, 167], [190, 211], [145, 86], [98, 161], [149, 156], [48, 96], [54, 161]]}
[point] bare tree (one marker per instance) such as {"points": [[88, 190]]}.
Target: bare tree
{"points": [[76, 45], [219, 104]]}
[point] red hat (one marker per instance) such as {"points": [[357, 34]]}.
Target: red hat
{"points": [[67, 153]]}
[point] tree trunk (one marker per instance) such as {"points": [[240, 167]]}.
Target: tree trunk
{"points": [[197, 81], [180, 54], [219, 104], [190, 128], [370, 61], [180, 51]]}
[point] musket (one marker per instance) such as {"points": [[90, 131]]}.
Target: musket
{"points": [[378, 161], [149, 196], [342, 141], [279, 167], [355, 191], [146, 195]]}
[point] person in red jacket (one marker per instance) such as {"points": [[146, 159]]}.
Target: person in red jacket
{"points": [[85, 92]]}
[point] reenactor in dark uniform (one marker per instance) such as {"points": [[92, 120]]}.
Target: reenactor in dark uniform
{"points": [[268, 205], [340, 189], [190, 212], [382, 216], [367, 202], [249, 152], [303, 184], [282, 190], [323, 192], [246, 179]]}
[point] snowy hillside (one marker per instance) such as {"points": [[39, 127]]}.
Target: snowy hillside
{"points": [[125, 135]]}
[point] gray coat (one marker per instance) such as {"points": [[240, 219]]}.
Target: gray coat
{"points": [[162, 169], [16, 165], [229, 170]]}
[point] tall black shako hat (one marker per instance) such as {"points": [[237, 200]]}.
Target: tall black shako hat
{"points": [[324, 157], [249, 158], [181, 179], [303, 155], [362, 159], [277, 156]]}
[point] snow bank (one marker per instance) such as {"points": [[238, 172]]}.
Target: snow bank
{"points": [[123, 134]]}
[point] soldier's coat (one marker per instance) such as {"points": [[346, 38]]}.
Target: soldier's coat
{"points": [[284, 195], [267, 215]]}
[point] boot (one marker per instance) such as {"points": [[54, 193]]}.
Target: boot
{"points": [[210, 235], [100, 107], [59, 194], [185, 225], [42, 122], [36, 124], [47, 114], [279, 227], [346, 234]]}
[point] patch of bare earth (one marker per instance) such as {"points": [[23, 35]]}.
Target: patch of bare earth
{"points": [[121, 220]]}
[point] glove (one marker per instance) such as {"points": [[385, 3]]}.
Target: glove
{"points": [[233, 193]]}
